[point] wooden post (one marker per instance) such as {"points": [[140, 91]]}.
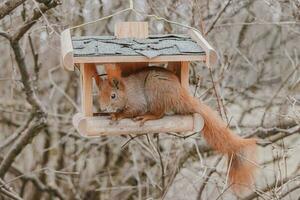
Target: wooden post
{"points": [[181, 69], [87, 72], [184, 75]]}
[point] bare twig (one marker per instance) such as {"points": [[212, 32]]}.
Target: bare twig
{"points": [[10, 194], [219, 14], [15, 135], [35, 127], [209, 173], [161, 163], [4, 34], [37, 13]]}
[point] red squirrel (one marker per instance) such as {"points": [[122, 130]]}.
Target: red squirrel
{"points": [[153, 92]]}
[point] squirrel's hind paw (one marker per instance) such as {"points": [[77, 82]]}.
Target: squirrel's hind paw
{"points": [[141, 119], [138, 118]]}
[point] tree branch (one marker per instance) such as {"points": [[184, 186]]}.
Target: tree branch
{"points": [[10, 194], [8, 6], [217, 17], [43, 188], [30, 94], [37, 13], [35, 127], [6, 35]]}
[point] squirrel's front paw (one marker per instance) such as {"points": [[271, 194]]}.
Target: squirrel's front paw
{"points": [[114, 119]]}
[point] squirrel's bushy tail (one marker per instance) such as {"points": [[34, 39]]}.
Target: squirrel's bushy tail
{"points": [[240, 151]]}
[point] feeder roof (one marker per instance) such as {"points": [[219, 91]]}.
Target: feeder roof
{"points": [[151, 47]]}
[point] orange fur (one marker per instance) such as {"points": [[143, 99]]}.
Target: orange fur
{"points": [[241, 152], [154, 92]]}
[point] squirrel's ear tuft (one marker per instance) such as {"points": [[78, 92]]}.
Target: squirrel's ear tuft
{"points": [[117, 83]]}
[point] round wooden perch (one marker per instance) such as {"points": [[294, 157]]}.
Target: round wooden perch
{"points": [[102, 125], [67, 50]]}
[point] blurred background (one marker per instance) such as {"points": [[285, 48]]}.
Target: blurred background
{"points": [[255, 86]]}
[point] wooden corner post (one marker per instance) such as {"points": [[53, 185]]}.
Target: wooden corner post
{"points": [[87, 72], [181, 69], [184, 75]]}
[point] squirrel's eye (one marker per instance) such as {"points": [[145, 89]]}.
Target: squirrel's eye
{"points": [[113, 96]]}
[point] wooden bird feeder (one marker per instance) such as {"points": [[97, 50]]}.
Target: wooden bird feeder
{"points": [[132, 48]]}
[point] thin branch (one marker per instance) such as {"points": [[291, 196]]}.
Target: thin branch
{"points": [[43, 188], [5, 34], [217, 17], [37, 13], [274, 185], [161, 163], [8, 191], [209, 173], [10, 194], [16, 134], [35, 127], [30, 94]]}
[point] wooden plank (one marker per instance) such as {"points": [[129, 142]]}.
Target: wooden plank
{"points": [[211, 55], [131, 30], [128, 59], [101, 125], [67, 50], [184, 75], [86, 71]]}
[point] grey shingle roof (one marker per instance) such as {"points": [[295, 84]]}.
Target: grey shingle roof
{"points": [[153, 46]]}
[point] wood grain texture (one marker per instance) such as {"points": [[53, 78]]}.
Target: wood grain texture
{"points": [[86, 89], [129, 59], [67, 50], [101, 125], [131, 30], [184, 75]]}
